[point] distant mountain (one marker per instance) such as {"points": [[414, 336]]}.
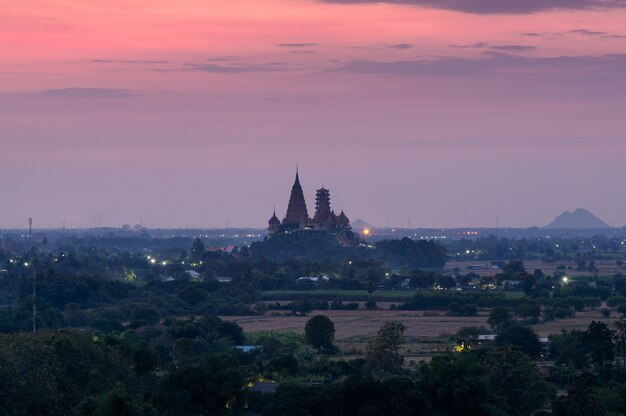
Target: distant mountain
{"points": [[581, 218], [360, 224]]}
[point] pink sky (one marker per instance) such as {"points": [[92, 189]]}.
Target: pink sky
{"points": [[190, 112]]}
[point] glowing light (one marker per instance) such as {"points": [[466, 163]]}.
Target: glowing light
{"points": [[565, 279], [367, 231], [153, 261]]}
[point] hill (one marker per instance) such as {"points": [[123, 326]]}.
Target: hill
{"points": [[360, 224], [581, 218]]}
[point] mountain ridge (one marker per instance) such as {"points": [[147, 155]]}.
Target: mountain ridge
{"points": [[580, 218]]}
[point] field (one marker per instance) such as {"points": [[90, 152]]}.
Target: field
{"points": [[605, 267], [426, 335], [344, 295]]}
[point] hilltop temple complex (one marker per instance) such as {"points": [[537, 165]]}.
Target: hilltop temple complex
{"points": [[297, 217]]}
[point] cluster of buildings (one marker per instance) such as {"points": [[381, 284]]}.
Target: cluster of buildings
{"points": [[297, 217]]}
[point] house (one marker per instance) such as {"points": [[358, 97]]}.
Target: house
{"points": [[167, 279], [313, 279], [476, 267], [225, 279], [248, 348], [194, 276], [498, 265], [512, 284], [266, 387], [230, 249], [486, 338]]}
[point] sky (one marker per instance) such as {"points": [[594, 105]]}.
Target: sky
{"points": [[194, 113]]}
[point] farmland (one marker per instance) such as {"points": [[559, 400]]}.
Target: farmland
{"points": [[426, 332], [604, 267]]}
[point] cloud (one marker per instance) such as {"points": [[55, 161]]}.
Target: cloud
{"points": [[476, 45], [500, 6], [498, 48], [296, 45], [232, 69], [303, 52], [128, 61], [400, 46], [496, 63], [587, 32], [512, 48], [221, 59], [80, 92]]}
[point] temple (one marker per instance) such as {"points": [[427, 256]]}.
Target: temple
{"points": [[297, 217]]}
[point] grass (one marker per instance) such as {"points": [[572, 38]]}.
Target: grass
{"points": [[338, 294]]}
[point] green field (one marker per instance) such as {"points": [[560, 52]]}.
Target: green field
{"points": [[337, 294], [351, 295]]}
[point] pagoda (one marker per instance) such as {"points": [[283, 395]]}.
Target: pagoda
{"points": [[297, 214], [297, 217]]}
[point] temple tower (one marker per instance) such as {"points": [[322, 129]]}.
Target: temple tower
{"points": [[296, 210], [322, 207], [273, 224], [343, 221]]}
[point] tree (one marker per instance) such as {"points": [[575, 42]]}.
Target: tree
{"points": [[197, 250], [319, 331], [205, 388], [569, 348], [117, 402], [514, 268], [600, 341], [383, 352], [530, 311], [520, 337], [498, 316], [513, 376], [456, 385], [620, 339]]}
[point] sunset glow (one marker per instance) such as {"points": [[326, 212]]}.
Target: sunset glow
{"points": [[156, 102]]}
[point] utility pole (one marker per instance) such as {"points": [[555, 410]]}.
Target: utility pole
{"points": [[31, 250], [34, 298], [30, 236]]}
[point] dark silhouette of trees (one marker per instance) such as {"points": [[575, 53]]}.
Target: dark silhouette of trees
{"points": [[600, 341], [498, 316], [520, 337], [319, 331], [383, 356]]}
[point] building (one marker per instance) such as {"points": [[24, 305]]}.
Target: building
{"points": [[297, 216]]}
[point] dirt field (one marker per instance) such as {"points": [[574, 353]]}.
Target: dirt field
{"points": [[425, 334], [605, 267]]}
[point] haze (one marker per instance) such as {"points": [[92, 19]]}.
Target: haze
{"points": [[189, 113]]}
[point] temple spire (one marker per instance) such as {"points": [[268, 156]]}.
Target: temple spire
{"points": [[296, 210]]}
